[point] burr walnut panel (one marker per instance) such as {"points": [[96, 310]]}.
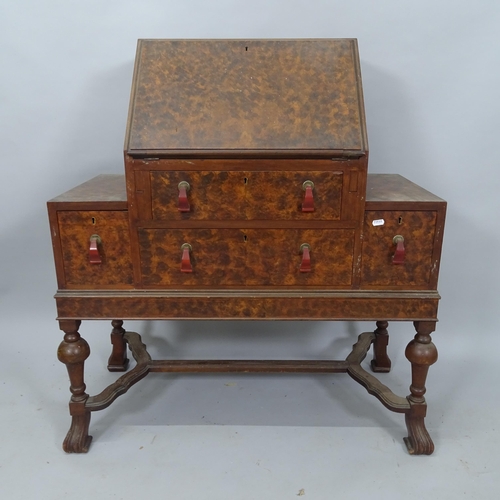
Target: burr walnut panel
{"points": [[274, 257], [212, 195], [211, 304], [279, 195], [248, 95], [216, 195], [240, 257], [75, 230], [217, 256], [418, 231]]}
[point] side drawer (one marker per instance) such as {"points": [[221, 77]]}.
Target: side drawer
{"points": [[247, 257], [75, 231], [418, 230]]}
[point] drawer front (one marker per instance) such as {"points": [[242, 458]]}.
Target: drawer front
{"points": [[75, 231], [241, 257], [240, 195], [217, 256], [274, 257], [418, 231], [211, 195], [280, 195]]}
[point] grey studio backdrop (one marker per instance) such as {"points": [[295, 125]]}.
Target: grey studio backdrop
{"points": [[431, 77]]}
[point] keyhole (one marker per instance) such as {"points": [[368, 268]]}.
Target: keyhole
{"points": [[93, 221], [246, 49], [245, 237], [245, 180], [400, 220]]}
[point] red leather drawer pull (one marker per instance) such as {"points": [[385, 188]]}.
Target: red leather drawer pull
{"points": [[305, 250], [186, 266], [308, 203], [183, 205], [94, 255], [399, 254]]}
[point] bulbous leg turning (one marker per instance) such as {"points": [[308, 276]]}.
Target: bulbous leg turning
{"points": [[421, 353], [73, 351]]}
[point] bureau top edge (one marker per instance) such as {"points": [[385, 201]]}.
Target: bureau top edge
{"points": [[247, 98]]}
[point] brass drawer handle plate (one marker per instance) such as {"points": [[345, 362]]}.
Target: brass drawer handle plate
{"points": [[305, 250], [399, 254], [186, 266], [94, 254], [308, 202], [183, 205]]}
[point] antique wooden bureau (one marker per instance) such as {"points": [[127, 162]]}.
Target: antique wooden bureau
{"points": [[246, 196]]}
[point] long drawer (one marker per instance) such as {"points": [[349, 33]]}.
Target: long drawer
{"points": [[246, 257], [297, 190], [216, 195]]}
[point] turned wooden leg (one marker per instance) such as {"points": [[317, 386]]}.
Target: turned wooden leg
{"points": [[380, 361], [73, 351], [421, 353], [118, 361]]}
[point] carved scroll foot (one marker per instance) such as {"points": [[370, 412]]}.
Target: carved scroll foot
{"points": [[118, 361], [421, 353], [419, 441], [73, 351], [381, 362], [78, 440]]}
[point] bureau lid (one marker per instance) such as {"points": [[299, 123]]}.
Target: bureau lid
{"points": [[233, 98]]}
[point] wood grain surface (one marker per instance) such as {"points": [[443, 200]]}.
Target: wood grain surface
{"points": [[75, 229], [418, 230], [252, 305], [396, 188], [246, 95], [244, 257], [276, 195]]}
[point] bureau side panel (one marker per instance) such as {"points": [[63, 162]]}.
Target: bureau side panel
{"points": [[56, 244]]}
